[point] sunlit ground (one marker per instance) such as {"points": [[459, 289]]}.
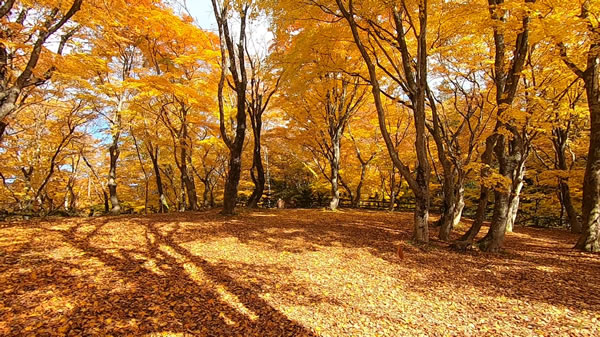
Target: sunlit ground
{"points": [[285, 273]]}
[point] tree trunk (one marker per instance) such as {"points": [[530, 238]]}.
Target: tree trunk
{"points": [[515, 196], [187, 179], [484, 194], [416, 79], [205, 194], [112, 175], [565, 198], [421, 218], [3, 126], [190, 188], [237, 70], [257, 166], [459, 201], [560, 139], [492, 242], [163, 205], [258, 179], [212, 196], [506, 84], [590, 237], [494, 239], [356, 200], [232, 181], [182, 195], [447, 218], [335, 171]]}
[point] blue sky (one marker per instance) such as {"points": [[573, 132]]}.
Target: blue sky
{"points": [[202, 11], [258, 31]]}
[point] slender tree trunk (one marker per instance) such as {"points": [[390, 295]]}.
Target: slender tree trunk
{"points": [[393, 200], [484, 194], [560, 145], [346, 188], [187, 179], [515, 197], [182, 194], [459, 201], [257, 164], [392, 189], [212, 196], [205, 194], [447, 217], [416, 80], [335, 171], [112, 174], [422, 197], [565, 198], [163, 205]]}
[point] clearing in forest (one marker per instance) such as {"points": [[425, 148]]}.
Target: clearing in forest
{"points": [[286, 273]]}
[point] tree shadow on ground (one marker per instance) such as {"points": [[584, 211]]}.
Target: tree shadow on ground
{"points": [[136, 275], [181, 294], [537, 265]]}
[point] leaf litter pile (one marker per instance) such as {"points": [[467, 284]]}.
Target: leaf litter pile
{"points": [[286, 273]]}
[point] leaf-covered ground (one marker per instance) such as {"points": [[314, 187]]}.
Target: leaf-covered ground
{"points": [[285, 273]]}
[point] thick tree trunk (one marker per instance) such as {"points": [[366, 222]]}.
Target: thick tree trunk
{"points": [[112, 175], [590, 237], [190, 188], [494, 239], [335, 171], [237, 70], [232, 182], [421, 218], [3, 126]]}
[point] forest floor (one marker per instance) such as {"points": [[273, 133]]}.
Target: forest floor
{"points": [[286, 273]]}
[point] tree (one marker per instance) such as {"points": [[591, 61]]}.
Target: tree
{"points": [[233, 62], [413, 82], [506, 143], [262, 89], [15, 77], [590, 75]]}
